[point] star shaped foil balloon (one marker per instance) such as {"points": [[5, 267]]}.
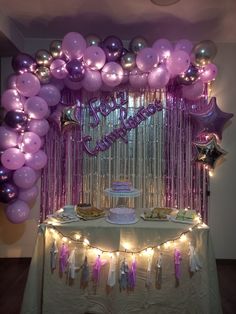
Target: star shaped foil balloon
{"points": [[208, 152], [212, 120]]}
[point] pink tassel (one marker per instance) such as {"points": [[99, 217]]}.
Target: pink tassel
{"points": [[96, 271], [132, 275], [177, 261], [63, 258]]}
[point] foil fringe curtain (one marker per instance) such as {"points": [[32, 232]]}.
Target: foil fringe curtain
{"points": [[158, 159]]}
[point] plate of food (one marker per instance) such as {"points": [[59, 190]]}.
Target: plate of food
{"points": [[156, 214], [186, 216], [89, 212], [62, 218]]}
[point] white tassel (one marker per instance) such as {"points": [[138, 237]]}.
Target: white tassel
{"points": [[194, 262], [111, 280], [149, 268], [71, 265], [53, 255]]}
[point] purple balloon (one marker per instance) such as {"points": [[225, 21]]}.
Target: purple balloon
{"points": [[178, 62], [58, 69], [92, 81], [76, 70], [23, 63], [28, 195], [37, 160], [13, 158], [112, 47], [163, 48], [36, 107], [30, 142], [146, 59], [40, 127], [50, 94], [5, 174], [138, 79], [112, 74], [17, 120], [11, 100], [184, 45], [73, 45], [209, 72], [194, 91], [17, 212], [25, 177], [158, 77], [189, 76], [8, 138], [27, 84], [94, 58], [8, 192]]}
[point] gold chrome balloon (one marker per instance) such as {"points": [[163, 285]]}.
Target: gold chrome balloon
{"points": [[204, 52], [137, 44], [43, 57], [128, 61], [55, 48], [43, 74]]}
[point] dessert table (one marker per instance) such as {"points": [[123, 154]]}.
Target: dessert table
{"points": [[51, 292]]}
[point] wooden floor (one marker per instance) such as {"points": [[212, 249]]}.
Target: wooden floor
{"points": [[13, 275]]}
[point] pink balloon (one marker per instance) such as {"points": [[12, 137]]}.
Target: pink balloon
{"points": [[94, 57], [209, 72], [163, 48], [146, 59], [72, 85], [73, 45], [184, 45], [112, 74], [178, 62], [37, 160], [40, 127], [92, 81], [138, 79], [8, 138], [28, 84], [30, 142], [36, 107], [50, 94], [13, 158], [58, 69], [11, 81], [28, 195], [193, 91], [17, 212], [25, 177], [158, 77], [11, 100]]}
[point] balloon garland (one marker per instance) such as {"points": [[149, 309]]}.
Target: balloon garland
{"points": [[92, 64]]}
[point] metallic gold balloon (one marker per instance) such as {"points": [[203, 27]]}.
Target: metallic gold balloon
{"points": [[93, 40], [43, 74], [137, 44], [128, 61], [204, 52], [43, 57], [55, 48]]}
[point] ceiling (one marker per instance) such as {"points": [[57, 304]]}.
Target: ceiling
{"points": [[192, 19]]}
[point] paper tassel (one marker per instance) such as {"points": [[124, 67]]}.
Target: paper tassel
{"points": [[96, 271], [111, 280], [177, 261], [63, 258], [84, 279], [124, 273], [148, 282], [53, 256], [132, 275], [71, 265], [194, 262], [159, 272]]}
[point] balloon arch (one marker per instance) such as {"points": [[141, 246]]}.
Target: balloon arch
{"points": [[35, 92]]}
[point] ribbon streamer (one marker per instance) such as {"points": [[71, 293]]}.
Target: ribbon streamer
{"points": [[177, 261], [124, 273], [132, 275], [84, 279], [159, 272], [53, 256], [63, 258], [194, 262]]}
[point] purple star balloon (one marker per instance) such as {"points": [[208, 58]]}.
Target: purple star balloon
{"points": [[212, 120]]}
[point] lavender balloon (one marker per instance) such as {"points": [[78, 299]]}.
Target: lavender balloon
{"points": [[73, 45], [8, 192], [28, 195], [31, 142], [36, 107], [17, 120], [24, 177], [40, 127], [23, 63], [163, 48], [17, 212], [178, 62], [112, 47], [50, 94], [13, 158], [37, 160], [209, 73], [11, 81], [11, 100], [92, 81], [8, 138], [58, 69], [158, 77], [94, 57], [5, 174], [146, 59], [112, 74], [28, 84]]}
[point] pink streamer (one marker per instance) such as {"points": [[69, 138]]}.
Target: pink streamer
{"points": [[132, 275], [177, 261], [63, 258]]}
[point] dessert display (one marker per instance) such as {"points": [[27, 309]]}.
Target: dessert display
{"points": [[121, 186], [121, 215], [87, 211], [157, 214]]}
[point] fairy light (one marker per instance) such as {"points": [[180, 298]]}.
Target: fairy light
{"points": [[64, 239], [211, 174], [183, 238], [77, 236]]}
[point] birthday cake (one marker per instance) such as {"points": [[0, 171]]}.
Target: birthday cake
{"points": [[122, 215], [121, 186]]}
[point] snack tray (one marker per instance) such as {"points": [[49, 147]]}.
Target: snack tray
{"points": [[153, 219]]}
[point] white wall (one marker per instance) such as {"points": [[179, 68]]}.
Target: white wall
{"points": [[18, 240]]}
